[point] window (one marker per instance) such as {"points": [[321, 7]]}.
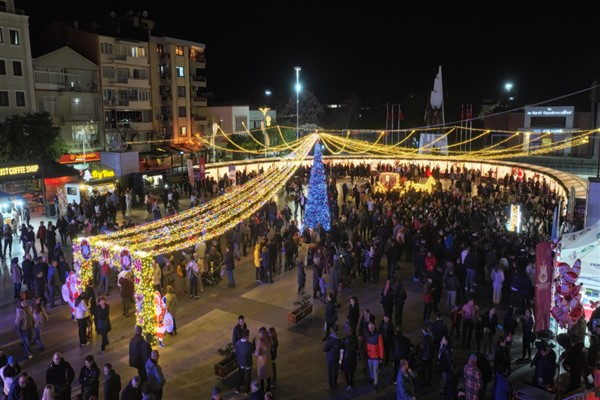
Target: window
{"points": [[180, 91], [17, 68], [3, 98], [1, 36], [182, 112], [180, 72], [137, 52], [140, 74], [2, 67], [14, 37], [179, 50], [183, 131], [108, 72], [20, 96], [106, 48], [160, 49]]}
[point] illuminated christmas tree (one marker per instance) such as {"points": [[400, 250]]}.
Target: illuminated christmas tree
{"points": [[317, 205]]}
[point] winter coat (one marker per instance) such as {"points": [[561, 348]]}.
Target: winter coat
{"points": [[89, 378], [103, 319], [332, 347]]}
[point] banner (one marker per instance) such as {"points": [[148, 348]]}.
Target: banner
{"points": [[190, 171], [202, 165], [543, 286]]}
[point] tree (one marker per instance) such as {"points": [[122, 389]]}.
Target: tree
{"points": [[31, 137], [310, 110], [317, 205]]}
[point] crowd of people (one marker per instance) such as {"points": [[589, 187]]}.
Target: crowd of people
{"points": [[455, 238]]}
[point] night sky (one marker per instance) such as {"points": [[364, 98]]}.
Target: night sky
{"points": [[380, 53]]}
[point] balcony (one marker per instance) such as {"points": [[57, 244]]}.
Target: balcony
{"points": [[198, 81], [197, 117], [199, 101], [164, 57]]}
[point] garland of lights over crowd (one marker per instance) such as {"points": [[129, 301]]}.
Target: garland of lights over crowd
{"points": [[134, 249]]}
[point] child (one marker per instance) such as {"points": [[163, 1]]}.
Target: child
{"points": [[323, 287], [456, 319]]}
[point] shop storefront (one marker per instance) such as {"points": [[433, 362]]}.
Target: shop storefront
{"points": [[34, 186], [97, 180]]}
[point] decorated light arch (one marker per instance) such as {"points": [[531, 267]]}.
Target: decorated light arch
{"points": [[134, 249]]}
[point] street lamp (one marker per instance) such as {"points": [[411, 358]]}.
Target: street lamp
{"points": [[298, 69], [508, 87], [181, 158]]}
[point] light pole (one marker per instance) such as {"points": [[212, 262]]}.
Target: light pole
{"points": [[298, 69]]}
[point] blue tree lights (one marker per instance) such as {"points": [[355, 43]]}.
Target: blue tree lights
{"points": [[317, 205]]}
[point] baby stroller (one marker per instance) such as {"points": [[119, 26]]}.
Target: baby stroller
{"points": [[211, 277]]}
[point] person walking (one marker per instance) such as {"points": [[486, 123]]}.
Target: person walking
{"points": [[399, 300], [89, 378], [229, 261], [60, 375], [243, 352], [193, 275], [39, 318], [17, 277], [472, 378], [375, 353], [264, 366], [274, 349], [301, 277], [349, 356], [104, 325], [24, 324], [126, 292], [112, 383], [156, 378], [497, 281], [330, 315], [404, 384], [171, 303], [139, 353], [82, 315], [527, 326], [331, 348]]}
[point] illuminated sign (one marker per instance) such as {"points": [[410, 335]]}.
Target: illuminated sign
{"points": [[79, 158], [514, 221], [105, 173], [19, 170], [549, 112]]}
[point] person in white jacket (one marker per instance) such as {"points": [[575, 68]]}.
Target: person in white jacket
{"points": [[82, 315], [497, 281]]}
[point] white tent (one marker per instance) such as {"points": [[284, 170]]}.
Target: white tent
{"points": [[585, 246]]}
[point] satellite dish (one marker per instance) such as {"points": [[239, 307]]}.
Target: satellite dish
{"points": [[145, 14], [130, 13], [113, 14]]}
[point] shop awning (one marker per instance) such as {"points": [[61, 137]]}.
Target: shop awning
{"points": [[57, 170]]}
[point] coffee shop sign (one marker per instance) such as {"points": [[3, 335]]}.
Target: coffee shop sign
{"points": [[19, 170]]}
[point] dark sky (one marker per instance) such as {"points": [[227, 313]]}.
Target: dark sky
{"points": [[376, 52]]}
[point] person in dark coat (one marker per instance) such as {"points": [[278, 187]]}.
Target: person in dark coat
{"points": [[229, 262], [112, 383], [399, 300], [103, 319], [133, 390], [89, 378], [238, 330], [331, 349], [330, 315], [23, 388], [301, 277], [388, 332], [350, 355], [60, 375], [353, 314], [244, 349], [139, 353]]}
